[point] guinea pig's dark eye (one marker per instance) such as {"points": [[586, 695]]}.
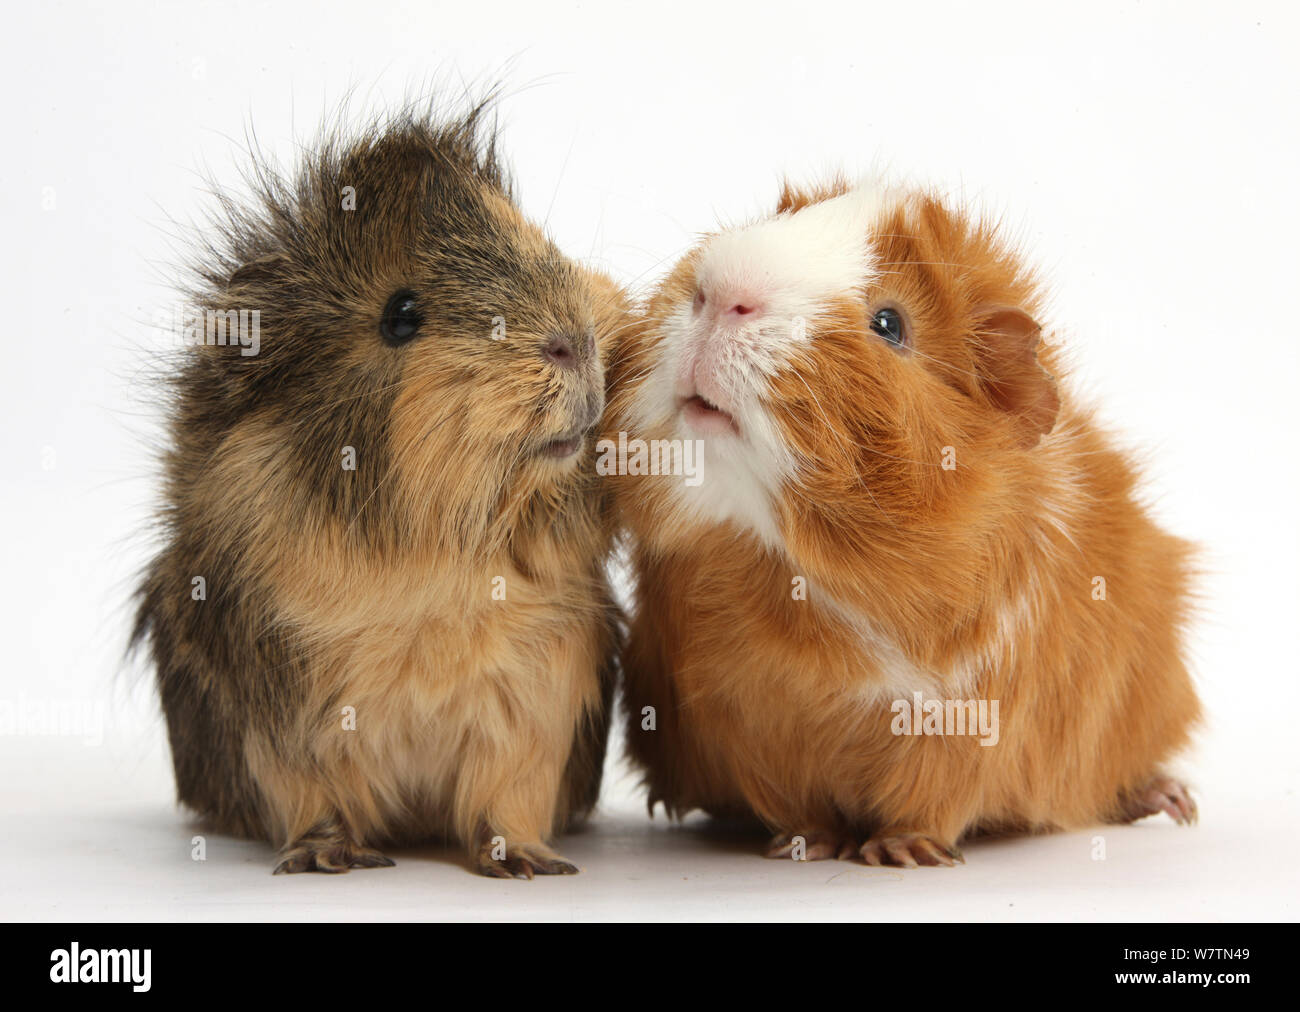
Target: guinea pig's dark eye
{"points": [[401, 320], [888, 323]]}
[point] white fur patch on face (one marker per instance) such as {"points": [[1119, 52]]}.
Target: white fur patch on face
{"points": [[785, 271], [797, 261]]}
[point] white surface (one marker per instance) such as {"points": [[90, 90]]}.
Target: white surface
{"points": [[100, 841], [1146, 152]]}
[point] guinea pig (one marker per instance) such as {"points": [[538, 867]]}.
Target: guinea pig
{"points": [[910, 593], [380, 613]]}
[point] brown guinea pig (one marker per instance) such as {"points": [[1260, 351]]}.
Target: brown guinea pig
{"points": [[380, 613], [908, 593]]}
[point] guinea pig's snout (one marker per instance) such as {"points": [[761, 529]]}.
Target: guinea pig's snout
{"points": [[579, 382], [728, 305], [568, 350], [584, 409]]}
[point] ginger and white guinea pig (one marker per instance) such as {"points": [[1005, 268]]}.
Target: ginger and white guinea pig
{"points": [[909, 593], [380, 612]]}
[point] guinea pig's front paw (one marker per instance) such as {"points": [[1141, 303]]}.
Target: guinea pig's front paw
{"points": [[909, 850], [330, 855], [498, 859], [812, 845], [1161, 794]]}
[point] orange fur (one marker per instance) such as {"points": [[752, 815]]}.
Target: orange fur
{"points": [[971, 583]]}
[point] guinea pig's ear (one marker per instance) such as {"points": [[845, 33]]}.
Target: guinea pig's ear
{"points": [[263, 269], [1007, 352]]}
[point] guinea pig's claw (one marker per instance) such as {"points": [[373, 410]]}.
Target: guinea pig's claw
{"points": [[371, 859], [813, 845], [331, 858], [909, 850], [1162, 794], [523, 862]]}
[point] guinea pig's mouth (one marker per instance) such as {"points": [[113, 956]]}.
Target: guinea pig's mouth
{"points": [[703, 415], [566, 446]]}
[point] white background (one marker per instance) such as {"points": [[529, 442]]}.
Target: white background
{"points": [[1146, 153]]}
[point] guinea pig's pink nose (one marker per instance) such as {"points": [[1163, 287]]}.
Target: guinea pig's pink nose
{"points": [[729, 306]]}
